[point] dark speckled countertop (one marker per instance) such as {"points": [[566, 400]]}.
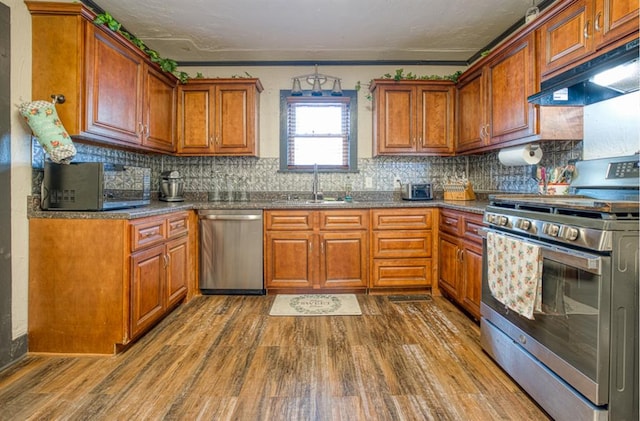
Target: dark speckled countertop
{"points": [[159, 208]]}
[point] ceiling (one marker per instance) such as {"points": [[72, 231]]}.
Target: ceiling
{"points": [[311, 30]]}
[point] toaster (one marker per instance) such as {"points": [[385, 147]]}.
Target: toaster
{"points": [[417, 191]]}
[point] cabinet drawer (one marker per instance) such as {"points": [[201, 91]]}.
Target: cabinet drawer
{"points": [[147, 232], [401, 273], [401, 244], [451, 222], [177, 225], [403, 219], [471, 226], [344, 220], [289, 220]]}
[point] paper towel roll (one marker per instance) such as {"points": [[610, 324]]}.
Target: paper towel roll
{"points": [[520, 155]]}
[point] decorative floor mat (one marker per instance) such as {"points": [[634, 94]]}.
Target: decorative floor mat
{"points": [[316, 305]]}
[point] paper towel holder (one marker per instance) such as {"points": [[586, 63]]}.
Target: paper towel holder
{"points": [[533, 148]]}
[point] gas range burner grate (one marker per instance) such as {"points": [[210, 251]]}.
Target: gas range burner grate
{"points": [[580, 206]]}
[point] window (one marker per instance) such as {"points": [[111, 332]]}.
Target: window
{"points": [[318, 130]]}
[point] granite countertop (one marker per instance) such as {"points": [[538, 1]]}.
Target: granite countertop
{"points": [[158, 207]]}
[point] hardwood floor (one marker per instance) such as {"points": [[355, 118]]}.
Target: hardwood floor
{"points": [[224, 358]]}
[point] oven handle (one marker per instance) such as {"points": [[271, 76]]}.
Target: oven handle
{"points": [[588, 262]]}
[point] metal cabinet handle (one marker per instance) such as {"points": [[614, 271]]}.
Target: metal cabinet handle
{"points": [[166, 260], [586, 30], [596, 22]]}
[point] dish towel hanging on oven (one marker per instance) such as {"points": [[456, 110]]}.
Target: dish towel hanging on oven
{"points": [[514, 273]]}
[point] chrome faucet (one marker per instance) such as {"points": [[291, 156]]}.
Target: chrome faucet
{"points": [[315, 185]]}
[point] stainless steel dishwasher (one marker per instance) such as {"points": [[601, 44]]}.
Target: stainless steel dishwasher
{"points": [[231, 252]]}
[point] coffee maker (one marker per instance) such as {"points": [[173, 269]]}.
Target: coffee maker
{"points": [[171, 186]]}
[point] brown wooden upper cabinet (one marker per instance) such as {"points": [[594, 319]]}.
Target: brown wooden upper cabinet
{"points": [[413, 117], [114, 94], [581, 29], [219, 117], [492, 98]]}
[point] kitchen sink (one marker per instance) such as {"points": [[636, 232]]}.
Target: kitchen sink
{"points": [[312, 202]]}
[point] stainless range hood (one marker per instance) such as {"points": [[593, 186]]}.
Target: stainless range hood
{"points": [[611, 74]]}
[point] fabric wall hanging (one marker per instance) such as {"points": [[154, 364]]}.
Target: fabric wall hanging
{"points": [[42, 118]]}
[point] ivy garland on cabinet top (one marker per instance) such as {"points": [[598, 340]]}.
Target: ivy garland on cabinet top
{"points": [[166, 64], [400, 75]]}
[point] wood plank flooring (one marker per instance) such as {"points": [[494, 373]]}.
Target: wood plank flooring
{"points": [[225, 358]]}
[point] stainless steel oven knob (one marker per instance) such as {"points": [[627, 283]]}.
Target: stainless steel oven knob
{"points": [[551, 230], [524, 224], [503, 220], [570, 234]]}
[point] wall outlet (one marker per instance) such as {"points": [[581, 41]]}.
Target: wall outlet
{"points": [[368, 182], [397, 182]]}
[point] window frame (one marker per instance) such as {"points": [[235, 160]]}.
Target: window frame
{"points": [[285, 96]]}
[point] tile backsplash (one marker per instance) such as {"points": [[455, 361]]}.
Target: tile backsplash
{"points": [[247, 174]]}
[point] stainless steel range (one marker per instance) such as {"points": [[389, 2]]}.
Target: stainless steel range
{"points": [[561, 317]]}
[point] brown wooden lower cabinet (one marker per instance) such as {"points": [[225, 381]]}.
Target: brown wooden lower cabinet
{"points": [[402, 248], [313, 250], [460, 258], [97, 284]]}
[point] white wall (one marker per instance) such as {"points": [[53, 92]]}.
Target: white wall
{"points": [[612, 127], [280, 77], [20, 163]]}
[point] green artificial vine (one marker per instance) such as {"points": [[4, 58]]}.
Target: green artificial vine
{"points": [[400, 75], [166, 64]]}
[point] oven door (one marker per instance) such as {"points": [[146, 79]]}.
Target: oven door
{"points": [[570, 335]]}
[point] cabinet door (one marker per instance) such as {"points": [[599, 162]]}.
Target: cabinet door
{"points": [[289, 259], [615, 19], [114, 90], [449, 258], [178, 269], [235, 120], [470, 113], [395, 120], [434, 122], [343, 259], [510, 79], [159, 111], [567, 37], [195, 119], [147, 288], [472, 276]]}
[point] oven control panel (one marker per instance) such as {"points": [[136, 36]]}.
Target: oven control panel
{"points": [[593, 239]]}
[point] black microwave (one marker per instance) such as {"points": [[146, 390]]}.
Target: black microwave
{"points": [[94, 186]]}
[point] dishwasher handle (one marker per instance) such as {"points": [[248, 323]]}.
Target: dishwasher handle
{"points": [[232, 217]]}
